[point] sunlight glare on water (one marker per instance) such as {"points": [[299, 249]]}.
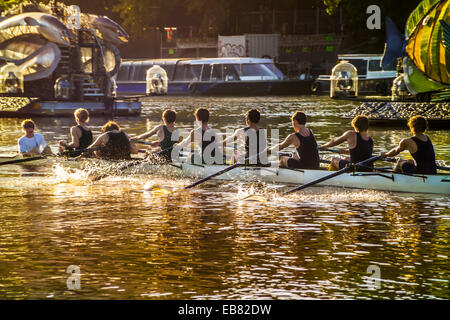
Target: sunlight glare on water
{"points": [[206, 242]]}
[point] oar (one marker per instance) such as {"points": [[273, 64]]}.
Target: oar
{"points": [[437, 166], [389, 159], [218, 173], [330, 149], [21, 160], [142, 142], [337, 173], [67, 152]]}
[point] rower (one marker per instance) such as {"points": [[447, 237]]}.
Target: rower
{"points": [[204, 137], [303, 140], [81, 134], [114, 143], [31, 143], [419, 146], [167, 134], [360, 145], [253, 138]]}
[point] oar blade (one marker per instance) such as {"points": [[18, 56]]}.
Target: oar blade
{"points": [[339, 172], [21, 160]]}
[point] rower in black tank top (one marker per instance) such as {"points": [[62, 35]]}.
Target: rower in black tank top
{"points": [[207, 143], [166, 144], [259, 137], [85, 139], [424, 156], [308, 153], [117, 148], [362, 151]]}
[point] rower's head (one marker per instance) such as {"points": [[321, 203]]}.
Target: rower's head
{"points": [[417, 124], [360, 123], [202, 115], [252, 116], [81, 115], [298, 119], [110, 126], [28, 126], [169, 116]]}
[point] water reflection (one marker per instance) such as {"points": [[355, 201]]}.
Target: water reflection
{"points": [[204, 243]]}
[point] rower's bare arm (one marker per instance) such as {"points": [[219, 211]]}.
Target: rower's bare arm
{"points": [[337, 141], [286, 143], [402, 146], [75, 133], [31, 153], [186, 141], [233, 137], [133, 148], [147, 134], [102, 140], [47, 150]]}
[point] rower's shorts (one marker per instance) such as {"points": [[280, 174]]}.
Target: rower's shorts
{"points": [[297, 164], [408, 167], [343, 163]]}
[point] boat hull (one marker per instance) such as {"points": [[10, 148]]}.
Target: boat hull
{"points": [[437, 184], [365, 86], [27, 107], [221, 88]]}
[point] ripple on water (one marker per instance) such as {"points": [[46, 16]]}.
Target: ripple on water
{"points": [[204, 243]]}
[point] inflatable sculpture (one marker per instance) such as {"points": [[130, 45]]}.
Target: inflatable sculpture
{"points": [[425, 50], [41, 45]]}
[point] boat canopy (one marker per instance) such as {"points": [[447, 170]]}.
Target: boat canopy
{"points": [[206, 69]]}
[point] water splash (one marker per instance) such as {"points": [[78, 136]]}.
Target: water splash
{"points": [[313, 196], [69, 175]]}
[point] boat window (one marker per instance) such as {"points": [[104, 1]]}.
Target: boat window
{"points": [[254, 71], [392, 66], [230, 73], [140, 72], [275, 70], [360, 65], [374, 65], [193, 72], [132, 72], [206, 72], [169, 70], [180, 73], [216, 73], [124, 72]]}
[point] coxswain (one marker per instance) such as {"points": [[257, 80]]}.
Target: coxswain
{"points": [[167, 134], [81, 135], [303, 140], [32, 144], [252, 138], [419, 146], [114, 143], [360, 145], [204, 137]]}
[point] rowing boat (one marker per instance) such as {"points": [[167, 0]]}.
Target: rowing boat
{"points": [[438, 184]]}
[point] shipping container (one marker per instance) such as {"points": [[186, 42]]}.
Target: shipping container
{"points": [[249, 45]]}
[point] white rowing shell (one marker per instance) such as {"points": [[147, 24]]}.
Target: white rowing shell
{"points": [[439, 184]]}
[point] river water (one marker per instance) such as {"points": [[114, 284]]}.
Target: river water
{"points": [[321, 243]]}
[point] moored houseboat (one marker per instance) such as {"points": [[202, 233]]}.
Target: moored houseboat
{"points": [[372, 78], [208, 76]]}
